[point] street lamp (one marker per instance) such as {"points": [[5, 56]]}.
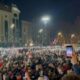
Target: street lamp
{"points": [[40, 34], [72, 35], [45, 19], [74, 40], [59, 33], [61, 39], [41, 30], [31, 44]]}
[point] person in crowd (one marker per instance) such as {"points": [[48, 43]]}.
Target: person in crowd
{"points": [[70, 77], [39, 65], [75, 63]]}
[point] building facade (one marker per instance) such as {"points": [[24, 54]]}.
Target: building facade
{"points": [[26, 33], [9, 23]]}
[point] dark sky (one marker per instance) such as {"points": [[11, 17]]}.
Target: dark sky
{"points": [[65, 13], [62, 9]]}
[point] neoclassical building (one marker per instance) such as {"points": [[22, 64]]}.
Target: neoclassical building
{"points": [[9, 23]]}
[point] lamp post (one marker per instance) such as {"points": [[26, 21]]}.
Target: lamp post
{"points": [[61, 38], [45, 20], [74, 40], [31, 44], [40, 33]]}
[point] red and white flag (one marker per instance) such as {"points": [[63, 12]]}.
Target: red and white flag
{"points": [[55, 41]]}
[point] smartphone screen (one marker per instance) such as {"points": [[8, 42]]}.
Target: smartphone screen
{"points": [[69, 51]]}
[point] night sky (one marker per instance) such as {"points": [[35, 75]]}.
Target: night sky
{"points": [[65, 13]]}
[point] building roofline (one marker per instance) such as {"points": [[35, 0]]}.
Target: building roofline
{"points": [[5, 7]]}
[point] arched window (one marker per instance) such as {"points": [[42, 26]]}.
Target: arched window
{"points": [[6, 29]]}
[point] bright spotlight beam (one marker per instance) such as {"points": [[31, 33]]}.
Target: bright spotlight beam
{"points": [[45, 19]]}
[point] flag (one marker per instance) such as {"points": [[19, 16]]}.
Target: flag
{"points": [[55, 41]]}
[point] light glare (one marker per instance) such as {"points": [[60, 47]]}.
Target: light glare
{"points": [[12, 26], [41, 30], [45, 19]]}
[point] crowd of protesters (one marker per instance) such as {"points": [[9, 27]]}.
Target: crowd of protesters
{"points": [[41, 65]]}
